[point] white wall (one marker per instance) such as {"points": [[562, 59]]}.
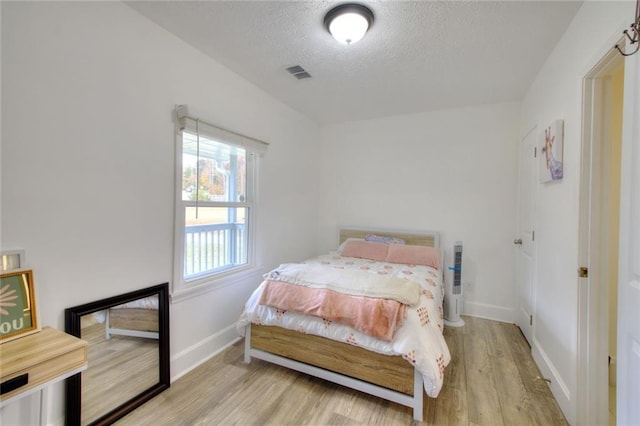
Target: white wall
{"points": [[87, 173], [556, 94], [88, 163], [452, 171]]}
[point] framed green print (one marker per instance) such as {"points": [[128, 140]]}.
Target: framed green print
{"points": [[17, 305]]}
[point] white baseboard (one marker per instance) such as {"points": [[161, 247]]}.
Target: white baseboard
{"points": [[491, 312], [558, 387], [192, 357]]}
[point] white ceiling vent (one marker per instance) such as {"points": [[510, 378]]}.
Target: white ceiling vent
{"points": [[298, 72]]}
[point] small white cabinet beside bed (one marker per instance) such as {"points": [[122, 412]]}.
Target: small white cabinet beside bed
{"points": [[388, 376]]}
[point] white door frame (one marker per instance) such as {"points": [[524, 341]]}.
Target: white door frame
{"points": [[526, 320], [628, 368], [592, 378]]}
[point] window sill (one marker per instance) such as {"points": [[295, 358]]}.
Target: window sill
{"points": [[209, 284]]}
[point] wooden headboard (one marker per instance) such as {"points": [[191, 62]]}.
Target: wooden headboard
{"points": [[430, 239]]}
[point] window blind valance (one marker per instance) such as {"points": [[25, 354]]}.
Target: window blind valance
{"points": [[210, 131]]}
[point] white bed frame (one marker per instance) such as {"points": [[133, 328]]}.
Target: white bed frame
{"points": [[116, 331], [414, 401]]}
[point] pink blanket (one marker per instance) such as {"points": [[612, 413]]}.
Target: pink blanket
{"points": [[376, 317]]}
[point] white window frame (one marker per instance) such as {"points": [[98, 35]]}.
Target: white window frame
{"points": [[254, 150]]}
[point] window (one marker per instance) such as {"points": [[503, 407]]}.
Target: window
{"points": [[216, 201]]}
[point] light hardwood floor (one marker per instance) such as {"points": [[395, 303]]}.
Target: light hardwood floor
{"points": [[119, 369], [491, 380]]}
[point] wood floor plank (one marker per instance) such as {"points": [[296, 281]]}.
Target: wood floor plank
{"points": [[455, 372], [512, 393], [544, 408], [491, 380], [482, 396], [450, 407]]}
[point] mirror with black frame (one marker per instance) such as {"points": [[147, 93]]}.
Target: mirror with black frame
{"points": [[128, 353]]}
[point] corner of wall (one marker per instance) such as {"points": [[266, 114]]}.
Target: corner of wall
{"points": [[195, 355]]}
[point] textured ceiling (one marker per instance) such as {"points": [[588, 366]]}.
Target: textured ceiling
{"points": [[417, 56]]}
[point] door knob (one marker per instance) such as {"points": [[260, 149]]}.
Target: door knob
{"points": [[517, 241]]}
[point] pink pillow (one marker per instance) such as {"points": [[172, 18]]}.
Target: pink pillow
{"points": [[413, 255], [365, 250]]}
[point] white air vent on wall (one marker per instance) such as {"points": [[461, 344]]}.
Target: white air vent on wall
{"points": [[298, 72]]}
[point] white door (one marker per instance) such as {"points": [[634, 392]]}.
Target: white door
{"points": [[525, 241], [628, 378]]}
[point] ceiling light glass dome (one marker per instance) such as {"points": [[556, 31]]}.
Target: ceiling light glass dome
{"points": [[348, 23]]}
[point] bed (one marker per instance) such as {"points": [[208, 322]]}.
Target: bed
{"points": [[138, 318], [390, 369]]}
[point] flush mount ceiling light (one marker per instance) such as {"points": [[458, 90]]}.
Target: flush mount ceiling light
{"points": [[348, 23]]}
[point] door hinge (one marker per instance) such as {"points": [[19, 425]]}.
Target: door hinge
{"points": [[533, 235], [530, 319], [583, 272], [535, 152]]}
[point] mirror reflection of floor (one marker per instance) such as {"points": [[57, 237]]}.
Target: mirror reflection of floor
{"points": [[119, 369]]}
